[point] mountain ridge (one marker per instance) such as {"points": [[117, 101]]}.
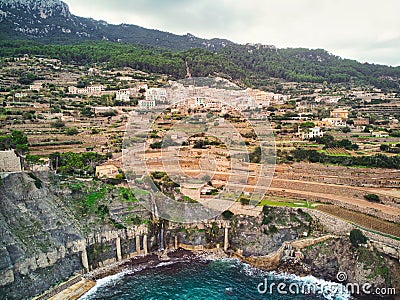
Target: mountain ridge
{"points": [[50, 22]]}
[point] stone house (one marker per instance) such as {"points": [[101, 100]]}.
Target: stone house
{"points": [[10, 161], [107, 171]]}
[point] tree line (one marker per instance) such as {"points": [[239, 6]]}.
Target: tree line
{"points": [[374, 161], [250, 65]]}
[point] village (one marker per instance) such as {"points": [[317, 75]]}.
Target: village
{"points": [[84, 110]]}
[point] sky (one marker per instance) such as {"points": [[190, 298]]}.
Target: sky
{"points": [[365, 30]]}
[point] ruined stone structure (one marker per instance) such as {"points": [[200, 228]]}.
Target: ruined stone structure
{"points": [[9, 161]]}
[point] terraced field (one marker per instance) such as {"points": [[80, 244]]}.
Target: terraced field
{"points": [[361, 219], [337, 152]]}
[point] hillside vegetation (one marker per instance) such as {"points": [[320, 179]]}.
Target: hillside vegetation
{"points": [[251, 65]]}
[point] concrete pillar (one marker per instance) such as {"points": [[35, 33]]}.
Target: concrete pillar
{"points": [[176, 245], [138, 244], [119, 252], [85, 261], [145, 244], [226, 239]]}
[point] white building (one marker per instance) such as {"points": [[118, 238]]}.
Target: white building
{"points": [[107, 171], [243, 103], [123, 95], [125, 78], [90, 90], [327, 99], [147, 104], [214, 105], [380, 134], [333, 122], [200, 102], [20, 95], [35, 87], [155, 94], [312, 133]]}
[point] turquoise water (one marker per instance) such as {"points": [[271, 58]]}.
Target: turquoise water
{"points": [[221, 279]]}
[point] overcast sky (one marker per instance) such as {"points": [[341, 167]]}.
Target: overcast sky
{"points": [[366, 30]]}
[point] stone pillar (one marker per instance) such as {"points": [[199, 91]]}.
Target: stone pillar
{"points": [[226, 239], [176, 245], [145, 244], [85, 261], [138, 244], [119, 252]]}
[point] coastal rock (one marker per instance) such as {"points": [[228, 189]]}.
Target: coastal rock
{"points": [[361, 265], [6, 277], [41, 240]]}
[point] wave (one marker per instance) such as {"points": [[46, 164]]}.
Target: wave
{"points": [[113, 280], [166, 263], [330, 290], [106, 281]]}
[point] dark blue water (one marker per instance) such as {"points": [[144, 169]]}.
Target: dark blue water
{"points": [[221, 279]]}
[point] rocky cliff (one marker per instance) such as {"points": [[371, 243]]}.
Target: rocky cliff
{"points": [[51, 21], [37, 234], [44, 231], [51, 229]]}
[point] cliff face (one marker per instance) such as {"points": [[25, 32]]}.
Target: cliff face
{"points": [[32, 18], [52, 21], [40, 241], [46, 226], [361, 265]]}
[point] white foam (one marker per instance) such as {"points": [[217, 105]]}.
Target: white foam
{"points": [[341, 291], [165, 263], [114, 279], [341, 294], [106, 281]]}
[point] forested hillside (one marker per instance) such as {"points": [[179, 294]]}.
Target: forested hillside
{"points": [[50, 21], [44, 27], [252, 65]]}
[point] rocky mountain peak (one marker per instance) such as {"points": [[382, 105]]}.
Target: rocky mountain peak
{"points": [[41, 9], [51, 21]]}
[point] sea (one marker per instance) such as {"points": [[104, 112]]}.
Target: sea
{"points": [[215, 279]]}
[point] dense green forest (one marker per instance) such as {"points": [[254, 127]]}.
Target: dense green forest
{"points": [[15, 140], [252, 65], [83, 41]]}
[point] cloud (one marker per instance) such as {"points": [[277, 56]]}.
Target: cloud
{"points": [[380, 52], [354, 29]]}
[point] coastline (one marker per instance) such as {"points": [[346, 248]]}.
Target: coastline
{"points": [[75, 289], [142, 262], [138, 263]]}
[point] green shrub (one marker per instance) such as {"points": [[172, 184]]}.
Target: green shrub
{"points": [[357, 237], [372, 198], [187, 200], [158, 175], [71, 131], [255, 156], [272, 229], [227, 215], [57, 124], [244, 201], [38, 182], [267, 219]]}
